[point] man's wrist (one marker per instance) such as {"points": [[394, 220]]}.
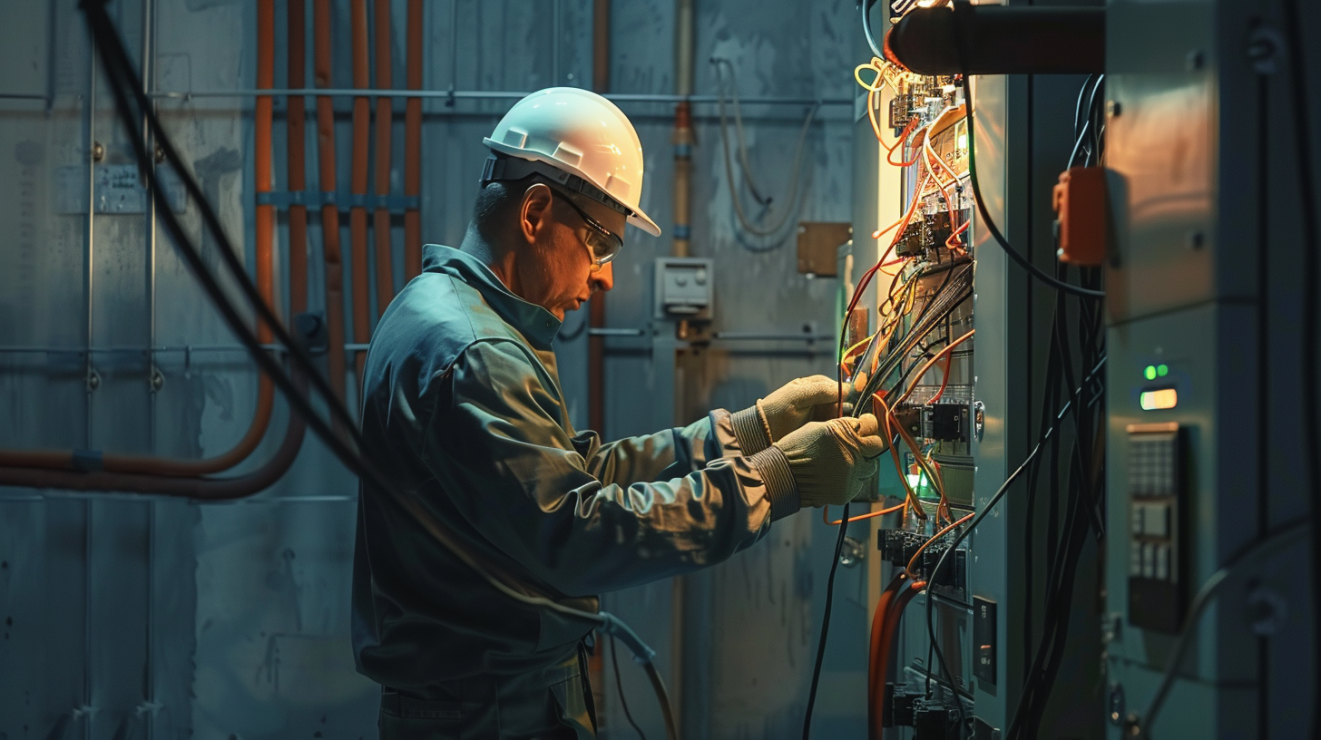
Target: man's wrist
{"points": [[749, 431], [778, 480]]}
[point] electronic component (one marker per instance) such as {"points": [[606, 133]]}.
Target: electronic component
{"points": [[983, 639], [683, 288], [898, 547], [1080, 204], [1156, 563], [931, 719], [945, 422]]}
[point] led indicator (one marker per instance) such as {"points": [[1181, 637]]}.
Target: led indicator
{"points": [[1162, 370], [1165, 398], [1150, 372]]}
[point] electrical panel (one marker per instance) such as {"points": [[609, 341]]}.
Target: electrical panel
{"points": [[908, 356]]}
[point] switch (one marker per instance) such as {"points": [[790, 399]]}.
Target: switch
{"points": [[1163, 562], [1156, 520], [983, 636]]}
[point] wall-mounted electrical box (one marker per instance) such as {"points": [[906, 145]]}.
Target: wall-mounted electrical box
{"points": [[683, 288]]}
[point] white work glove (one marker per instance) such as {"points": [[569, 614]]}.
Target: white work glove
{"points": [[830, 459], [796, 403]]}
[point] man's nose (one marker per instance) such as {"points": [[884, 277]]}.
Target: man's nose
{"points": [[603, 279]]}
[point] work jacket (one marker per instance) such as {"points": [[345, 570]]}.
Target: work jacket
{"points": [[463, 413]]}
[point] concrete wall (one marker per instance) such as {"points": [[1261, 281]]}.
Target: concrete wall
{"points": [[131, 617]]}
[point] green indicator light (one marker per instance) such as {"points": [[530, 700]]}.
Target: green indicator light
{"points": [[1150, 372], [1163, 370]]}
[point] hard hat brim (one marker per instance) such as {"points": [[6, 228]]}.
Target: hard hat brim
{"points": [[636, 217]]}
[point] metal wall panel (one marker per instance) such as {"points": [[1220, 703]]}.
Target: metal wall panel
{"points": [[173, 619]]}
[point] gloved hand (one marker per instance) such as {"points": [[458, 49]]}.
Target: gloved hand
{"points": [[830, 459]]}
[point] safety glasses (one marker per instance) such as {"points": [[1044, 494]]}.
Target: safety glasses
{"points": [[600, 241]]}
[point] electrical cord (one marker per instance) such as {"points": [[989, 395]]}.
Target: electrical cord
{"points": [[718, 63], [1139, 726], [866, 28], [999, 238], [986, 510], [619, 687], [825, 626], [797, 169], [1299, 101], [120, 75]]}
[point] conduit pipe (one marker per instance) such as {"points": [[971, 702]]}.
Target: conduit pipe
{"points": [[596, 306], [163, 475], [325, 109], [596, 319], [261, 418], [413, 144], [297, 154], [683, 125], [384, 120], [205, 489], [362, 329]]}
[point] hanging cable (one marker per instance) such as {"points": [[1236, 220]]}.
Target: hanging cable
{"points": [[798, 173]]}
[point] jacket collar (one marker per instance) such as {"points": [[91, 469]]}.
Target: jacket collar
{"points": [[531, 320]]}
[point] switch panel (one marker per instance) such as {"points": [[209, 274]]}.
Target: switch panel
{"points": [[683, 288], [1157, 577], [983, 639]]}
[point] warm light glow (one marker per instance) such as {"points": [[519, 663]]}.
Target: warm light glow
{"points": [[1165, 398]]}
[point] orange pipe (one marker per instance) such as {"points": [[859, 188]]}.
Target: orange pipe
{"points": [[325, 109], [362, 329], [892, 610], [384, 120], [297, 153], [265, 219], [413, 144]]}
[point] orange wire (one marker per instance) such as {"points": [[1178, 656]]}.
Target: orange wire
{"points": [[886, 415], [944, 351], [868, 515], [934, 537]]}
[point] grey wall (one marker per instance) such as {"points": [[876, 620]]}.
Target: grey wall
{"points": [[131, 617]]}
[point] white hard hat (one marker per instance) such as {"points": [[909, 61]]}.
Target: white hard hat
{"points": [[581, 140]]}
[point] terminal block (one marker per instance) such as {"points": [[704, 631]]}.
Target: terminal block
{"points": [[931, 719], [898, 546]]}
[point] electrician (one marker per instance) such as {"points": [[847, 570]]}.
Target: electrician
{"points": [[462, 409]]}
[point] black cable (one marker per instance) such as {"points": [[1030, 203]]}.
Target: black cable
{"points": [[619, 686], [825, 624], [1311, 307], [999, 238], [866, 28], [986, 510], [119, 67]]}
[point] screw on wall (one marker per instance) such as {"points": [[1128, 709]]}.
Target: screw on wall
{"points": [[159, 154], [1116, 703], [93, 379], [1264, 47], [98, 151], [156, 379]]}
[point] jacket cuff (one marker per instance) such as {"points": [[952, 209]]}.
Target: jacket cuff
{"points": [[778, 479], [749, 431]]}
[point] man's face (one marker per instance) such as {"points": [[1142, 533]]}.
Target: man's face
{"points": [[556, 268]]}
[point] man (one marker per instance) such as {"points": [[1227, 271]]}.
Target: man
{"points": [[463, 410]]}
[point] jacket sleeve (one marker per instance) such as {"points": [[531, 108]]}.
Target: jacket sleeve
{"points": [[583, 517]]}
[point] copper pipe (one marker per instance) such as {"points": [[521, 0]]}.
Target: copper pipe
{"points": [[297, 154], [158, 466], [362, 329], [206, 489], [329, 213], [413, 144], [596, 307], [596, 318], [384, 120]]}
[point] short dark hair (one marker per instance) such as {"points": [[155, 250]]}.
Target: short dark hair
{"points": [[497, 203]]}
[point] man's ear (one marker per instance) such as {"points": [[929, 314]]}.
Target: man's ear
{"points": [[534, 213]]}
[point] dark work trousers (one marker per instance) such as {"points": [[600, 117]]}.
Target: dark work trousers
{"points": [[553, 704]]}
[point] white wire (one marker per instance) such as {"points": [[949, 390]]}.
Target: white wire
{"points": [[789, 209]]}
